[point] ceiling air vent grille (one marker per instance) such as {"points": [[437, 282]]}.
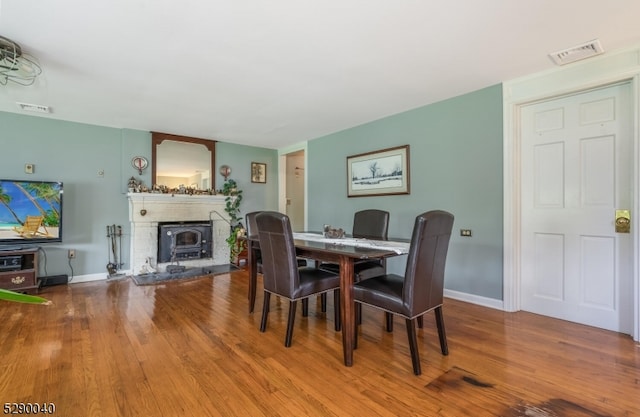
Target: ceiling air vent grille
{"points": [[576, 53], [38, 108]]}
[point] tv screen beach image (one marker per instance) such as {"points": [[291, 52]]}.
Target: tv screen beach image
{"points": [[30, 210]]}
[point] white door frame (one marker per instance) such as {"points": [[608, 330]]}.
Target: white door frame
{"points": [[592, 73], [282, 178]]}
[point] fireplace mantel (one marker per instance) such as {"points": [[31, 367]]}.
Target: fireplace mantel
{"points": [[146, 210]]}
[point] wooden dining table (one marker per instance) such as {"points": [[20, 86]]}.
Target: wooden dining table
{"points": [[344, 255]]}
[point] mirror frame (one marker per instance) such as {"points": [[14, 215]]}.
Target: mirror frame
{"points": [[157, 138]]}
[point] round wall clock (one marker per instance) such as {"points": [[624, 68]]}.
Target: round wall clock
{"points": [[139, 163]]}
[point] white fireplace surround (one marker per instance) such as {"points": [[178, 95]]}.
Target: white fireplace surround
{"points": [[146, 210]]}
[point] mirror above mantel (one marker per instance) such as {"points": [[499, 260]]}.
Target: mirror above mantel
{"points": [[182, 160]]}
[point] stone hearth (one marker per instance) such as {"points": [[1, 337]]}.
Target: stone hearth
{"points": [[174, 208]]}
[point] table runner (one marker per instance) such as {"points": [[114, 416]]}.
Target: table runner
{"points": [[398, 247]]}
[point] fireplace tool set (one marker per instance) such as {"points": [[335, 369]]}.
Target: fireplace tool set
{"points": [[114, 251], [175, 266]]}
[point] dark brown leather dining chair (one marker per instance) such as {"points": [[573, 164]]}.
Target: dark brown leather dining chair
{"points": [[281, 274], [421, 289], [370, 224], [367, 224], [252, 228]]}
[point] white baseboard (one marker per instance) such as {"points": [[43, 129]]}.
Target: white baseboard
{"points": [[456, 295], [93, 277], [475, 299]]}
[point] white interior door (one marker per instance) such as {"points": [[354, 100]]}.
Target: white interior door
{"points": [[576, 155]]}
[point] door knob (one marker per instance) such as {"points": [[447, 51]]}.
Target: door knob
{"points": [[623, 221]]}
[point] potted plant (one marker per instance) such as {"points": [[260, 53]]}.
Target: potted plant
{"points": [[233, 198]]}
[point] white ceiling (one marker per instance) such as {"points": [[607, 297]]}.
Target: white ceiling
{"points": [[275, 73]]}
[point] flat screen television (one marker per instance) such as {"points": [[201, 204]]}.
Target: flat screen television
{"points": [[30, 212]]}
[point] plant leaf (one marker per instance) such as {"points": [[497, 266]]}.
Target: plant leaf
{"points": [[22, 298]]}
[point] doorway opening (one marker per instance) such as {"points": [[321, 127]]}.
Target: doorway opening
{"points": [[294, 189]]}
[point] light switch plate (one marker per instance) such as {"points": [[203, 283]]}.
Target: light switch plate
{"points": [[28, 168]]}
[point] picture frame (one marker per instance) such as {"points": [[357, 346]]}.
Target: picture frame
{"points": [[259, 172], [377, 173]]}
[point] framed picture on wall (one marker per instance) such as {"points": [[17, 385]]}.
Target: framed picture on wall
{"points": [[258, 172], [383, 172]]}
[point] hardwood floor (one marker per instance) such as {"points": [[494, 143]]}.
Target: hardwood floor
{"points": [[191, 349]]}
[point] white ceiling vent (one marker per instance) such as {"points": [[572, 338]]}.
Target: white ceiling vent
{"points": [[38, 108], [576, 53]]}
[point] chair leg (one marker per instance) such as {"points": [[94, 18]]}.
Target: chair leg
{"points": [[413, 347], [305, 307], [265, 311], [441, 332], [336, 310], [253, 283], [290, 321], [420, 320], [323, 301], [358, 313], [389, 320]]}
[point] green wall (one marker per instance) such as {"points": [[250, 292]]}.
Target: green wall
{"points": [[74, 153], [255, 196], [456, 165], [455, 157]]}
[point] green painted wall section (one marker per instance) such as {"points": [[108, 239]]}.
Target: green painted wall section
{"points": [[255, 196], [456, 165], [74, 153]]}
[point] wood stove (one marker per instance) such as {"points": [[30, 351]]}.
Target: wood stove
{"points": [[185, 240]]}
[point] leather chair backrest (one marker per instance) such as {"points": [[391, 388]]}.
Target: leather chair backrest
{"points": [[250, 220], [424, 276], [371, 224], [279, 263]]}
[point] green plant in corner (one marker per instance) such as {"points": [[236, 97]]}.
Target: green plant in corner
{"points": [[233, 198]]}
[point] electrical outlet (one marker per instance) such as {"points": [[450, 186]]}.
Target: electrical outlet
{"points": [[72, 253], [465, 232]]}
